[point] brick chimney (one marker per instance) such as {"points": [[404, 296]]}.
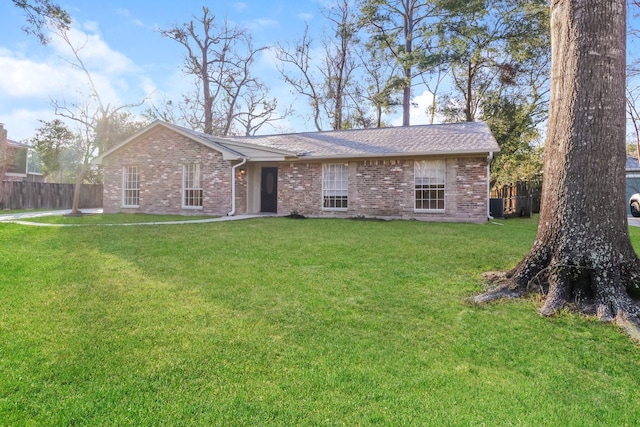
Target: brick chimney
{"points": [[3, 134]]}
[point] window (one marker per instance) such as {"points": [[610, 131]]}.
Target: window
{"points": [[130, 186], [429, 185], [192, 186], [335, 186]]}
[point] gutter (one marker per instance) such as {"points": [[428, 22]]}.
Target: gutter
{"points": [[233, 187], [489, 186], [355, 156]]}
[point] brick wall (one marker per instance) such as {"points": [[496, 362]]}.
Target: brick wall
{"points": [[471, 188], [159, 156], [300, 188], [381, 187], [385, 188], [377, 187], [241, 190]]}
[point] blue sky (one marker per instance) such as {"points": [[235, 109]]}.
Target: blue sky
{"points": [[128, 58]]}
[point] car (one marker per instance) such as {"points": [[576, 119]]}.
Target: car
{"points": [[634, 204]]}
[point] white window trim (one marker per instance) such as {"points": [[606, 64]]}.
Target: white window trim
{"points": [[125, 174], [184, 188], [440, 164], [324, 170]]}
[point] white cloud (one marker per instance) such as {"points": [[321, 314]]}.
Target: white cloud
{"points": [[306, 17], [267, 60], [126, 13], [267, 23], [241, 6], [91, 26], [31, 80], [25, 78], [123, 12], [261, 24], [21, 124], [95, 53]]}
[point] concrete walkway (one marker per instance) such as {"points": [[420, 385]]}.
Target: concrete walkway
{"points": [[17, 218]]}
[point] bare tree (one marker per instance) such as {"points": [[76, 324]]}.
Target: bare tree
{"points": [[440, 72], [303, 78], [325, 79], [260, 111], [582, 253], [376, 87], [212, 41], [239, 83], [339, 62], [94, 118], [219, 57]]}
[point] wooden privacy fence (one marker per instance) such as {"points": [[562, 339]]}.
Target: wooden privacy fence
{"points": [[520, 198], [41, 195]]}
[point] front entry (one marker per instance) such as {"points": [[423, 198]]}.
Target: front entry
{"points": [[269, 190]]}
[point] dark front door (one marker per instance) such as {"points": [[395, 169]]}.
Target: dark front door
{"points": [[269, 190]]}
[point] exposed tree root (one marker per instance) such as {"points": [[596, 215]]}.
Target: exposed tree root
{"points": [[502, 288], [605, 293], [499, 292], [631, 328]]}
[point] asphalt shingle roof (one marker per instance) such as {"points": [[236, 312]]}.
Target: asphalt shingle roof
{"points": [[214, 141], [17, 144], [450, 138]]}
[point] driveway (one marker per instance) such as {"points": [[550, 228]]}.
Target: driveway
{"points": [[634, 222]]}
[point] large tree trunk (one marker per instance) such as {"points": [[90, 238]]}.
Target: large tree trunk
{"points": [[582, 253]]}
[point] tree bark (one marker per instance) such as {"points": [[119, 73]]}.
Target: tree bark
{"points": [[408, 77], [77, 188], [582, 253]]}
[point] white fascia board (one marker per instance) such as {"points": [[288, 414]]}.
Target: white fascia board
{"points": [[396, 155], [268, 159]]}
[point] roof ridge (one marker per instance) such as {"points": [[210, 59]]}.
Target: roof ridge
{"points": [[355, 130]]}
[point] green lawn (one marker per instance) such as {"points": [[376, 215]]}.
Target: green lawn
{"points": [[288, 322]]}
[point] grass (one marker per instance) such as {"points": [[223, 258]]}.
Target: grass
{"points": [[119, 218], [281, 322]]}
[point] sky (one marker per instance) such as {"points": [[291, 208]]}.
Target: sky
{"points": [[130, 61]]}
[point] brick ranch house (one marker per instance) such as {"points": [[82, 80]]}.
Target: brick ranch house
{"points": [[432, 172]]}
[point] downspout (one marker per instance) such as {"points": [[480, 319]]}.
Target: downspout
{"points": [[489, 185], [233, 186]]}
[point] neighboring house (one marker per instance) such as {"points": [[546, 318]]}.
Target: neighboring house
{"points": [[633, 178], [14, 160], [433, 172]]}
